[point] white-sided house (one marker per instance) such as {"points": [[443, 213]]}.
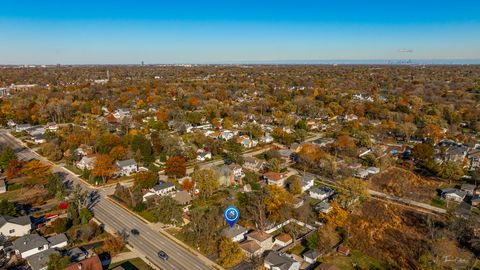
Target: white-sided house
{"points": [[127, 167], [311, 256], [162, 189], [226, 135], [58, 241], [236, 234], [283, 240], [453, 194], [373, 170], [321, 193], [280, 261], [22, 127], [3, 186], [86, 163], [52, 126], [29, 245], [204, 155], [307, 181], [15, 226]]}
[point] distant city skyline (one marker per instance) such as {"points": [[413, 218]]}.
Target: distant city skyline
{"points": [[208, 32]]}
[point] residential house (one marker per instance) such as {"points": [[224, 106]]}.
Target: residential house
{"points": [[283, 240], [474, 159], [29, 245], [121, 113], [227, 135], [262, 238], [453, 194], [253, 164], [22, 127], [285, 154], [275, 178], [236, 233], [267, 138], [86, 163], [342, 250], [51, 126], [237, 171], [15, 226], [321, 193], [127, 167], [468, 188], [182, 197], [204, 155], [77, 254], [39, 261], [251, 248], [162, 189], [36, 130], [3, 186], [280, 261], [38, 139], [373, 170], [92, 263], [307, 181], [246, 142], [58, 241], [323, 206], [311, 256]]}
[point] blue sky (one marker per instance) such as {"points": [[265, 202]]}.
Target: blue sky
{"points": [[123, 32]]}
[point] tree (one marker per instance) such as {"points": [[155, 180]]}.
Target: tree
{"points": [[118, 152], [352, 190], [7, 208], [14, 169], [176, 166], [57, 262], [206, 180], [168, 211], [85, 215], [229, 253], [36, 168], [276, 202], [145, 180], [55, 187], [336, 217], [103, 167], [275, 164], [142, 144], [294, 185], [450, 170], [6, 156], [423, 151], [345, 144], [114, 244], [60, 225], [187, 185]]}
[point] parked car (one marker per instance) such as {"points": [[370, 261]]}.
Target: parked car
{"points": [[135, 232]]}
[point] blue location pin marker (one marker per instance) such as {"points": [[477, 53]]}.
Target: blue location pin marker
{"points": [[231, 215]]}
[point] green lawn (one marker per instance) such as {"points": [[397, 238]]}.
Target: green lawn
{"points": [[356, 258], [439, 202], [133, 264]]}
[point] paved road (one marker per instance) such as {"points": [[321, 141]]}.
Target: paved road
{"points": [[148, 243]]}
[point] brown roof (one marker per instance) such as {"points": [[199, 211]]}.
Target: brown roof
{"points": [[274, 176], [259, 235], [343, 250], [284, 237], [250, 246], [92, 263]]}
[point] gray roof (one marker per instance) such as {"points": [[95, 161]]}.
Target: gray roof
{"points": [[235, 231], [182, 197], [311, 254], [40, 260], [163, 185], [57, 239], [126, 163], [29, 242], [468, 187], [22, 220], [281, 261], [77, 254], [322, 190]]}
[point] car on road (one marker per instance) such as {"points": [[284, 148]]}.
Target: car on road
{"points": [[134, 232], [162, 255]]}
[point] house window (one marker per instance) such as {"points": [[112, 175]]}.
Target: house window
{"points": [[11, 231], [40, 248]]}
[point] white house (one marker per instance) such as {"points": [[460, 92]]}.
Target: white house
{"points": [[274, 178], [311, 256], [15, 226], [121, 113], [226, 135], [280, 261], [283, 240], [22, 127], [373, 170], [58, 241], [127, 167], [162, 189], [321, 193], [86, 163], [204, 155], [361, 173], [307, 181], [29, 245], [52, 126], [40, 260], [3, 186], [236, 234], [38, 139], [266, 139], [453, 194]]}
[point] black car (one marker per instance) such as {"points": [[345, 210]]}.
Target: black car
{"points": [[135, 232], [162, 255]]}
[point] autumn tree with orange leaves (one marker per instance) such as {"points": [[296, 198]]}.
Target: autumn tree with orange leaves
{"points": [[103, 167], [176, 166]]}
